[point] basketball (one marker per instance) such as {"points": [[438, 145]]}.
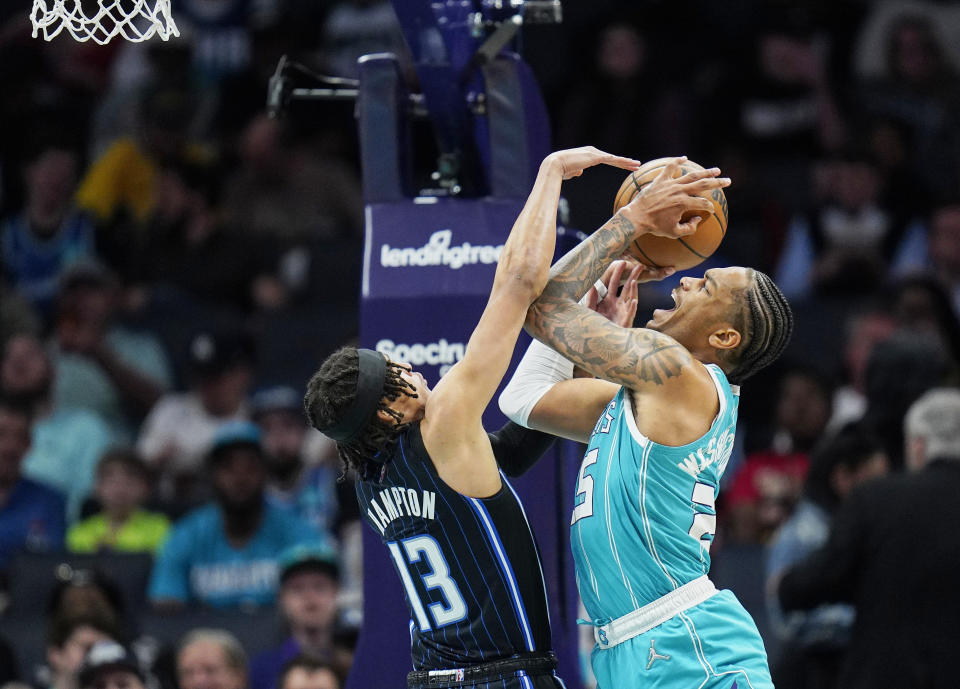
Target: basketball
{"points": [[683, 252]]}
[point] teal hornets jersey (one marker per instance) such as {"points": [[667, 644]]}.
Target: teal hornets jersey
{"points": [[644, 513]]}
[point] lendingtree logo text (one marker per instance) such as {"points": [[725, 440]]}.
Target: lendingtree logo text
{"points": [[439, 251]]}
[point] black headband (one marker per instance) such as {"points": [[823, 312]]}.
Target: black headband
{"points": [[370, 379]]}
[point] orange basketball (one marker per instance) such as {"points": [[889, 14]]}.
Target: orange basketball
{"points": [[684, 252]]}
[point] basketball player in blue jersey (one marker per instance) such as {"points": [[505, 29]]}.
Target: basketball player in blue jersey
{"points": [[430, 484], [659, 437]]}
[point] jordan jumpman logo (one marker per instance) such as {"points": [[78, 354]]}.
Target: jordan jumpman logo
{"points": [[654, 655]]}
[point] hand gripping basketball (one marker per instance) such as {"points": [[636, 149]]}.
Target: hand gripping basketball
{"points": [[681, 214]]}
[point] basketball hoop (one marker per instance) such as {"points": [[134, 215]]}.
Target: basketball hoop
{"points": [[134, 20]]}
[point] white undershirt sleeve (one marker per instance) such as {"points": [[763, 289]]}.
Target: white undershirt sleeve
{"points": [[539, 370]]}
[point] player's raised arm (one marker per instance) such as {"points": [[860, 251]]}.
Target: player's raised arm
{"points": [[521, 274], [632, 357], [452, 420]]}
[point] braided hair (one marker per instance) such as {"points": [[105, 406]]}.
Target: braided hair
{"points": [[332, 390], [768, 327]]}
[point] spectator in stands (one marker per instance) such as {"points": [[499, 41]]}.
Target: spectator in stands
{"points": [[768, 484], [177, 434], [280, 192], [305, 481], [814, 642], [122, 487], [619, 102], [189, 249], [31, 514], [108, 665], [615, 98], [118, 187], [864, 330], [80, 592], [84, 592], [920, 92], [922, 304], [900, 369], [68, 642], [49, 234], [225, 553], [211, 659], [296, 482], [304, 672], [777, 102], [60, 438], [101, 366], [887, 555], [843, 244], [309, 575]]}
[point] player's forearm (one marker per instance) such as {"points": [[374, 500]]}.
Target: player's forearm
{"points": [[525, 260], [575, 273], [552, 314]]}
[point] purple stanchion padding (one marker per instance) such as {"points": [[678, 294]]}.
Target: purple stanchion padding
{"points": [[427, 275]]}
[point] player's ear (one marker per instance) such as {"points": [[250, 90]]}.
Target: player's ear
{"points": [[724, 338]]}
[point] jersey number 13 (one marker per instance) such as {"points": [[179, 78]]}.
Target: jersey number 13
{"points": [[452, 608]]}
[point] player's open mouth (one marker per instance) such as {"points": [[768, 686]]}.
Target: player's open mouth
{"points": [[673, 295]]}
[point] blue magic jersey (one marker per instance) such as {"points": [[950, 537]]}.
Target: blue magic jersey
{"points": [[644, 513], [470, 567]]}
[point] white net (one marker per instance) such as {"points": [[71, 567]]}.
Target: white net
{"points": [[134, 20]]}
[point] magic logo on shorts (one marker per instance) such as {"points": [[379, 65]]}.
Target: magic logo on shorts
{"points": [[440, 251]]}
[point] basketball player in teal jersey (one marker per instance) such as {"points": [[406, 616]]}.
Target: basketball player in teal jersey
{"points": [[659, 438]]}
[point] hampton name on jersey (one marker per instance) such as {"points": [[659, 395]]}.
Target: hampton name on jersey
{"points": [[644, 513], [470, 566]]}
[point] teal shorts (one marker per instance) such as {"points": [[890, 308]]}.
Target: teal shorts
{"points": [[713, 645]]}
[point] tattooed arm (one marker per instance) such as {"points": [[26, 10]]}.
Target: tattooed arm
{"points": [[643, 360]]}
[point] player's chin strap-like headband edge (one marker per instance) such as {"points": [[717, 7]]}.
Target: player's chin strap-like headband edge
{"points": [[370, 379]]}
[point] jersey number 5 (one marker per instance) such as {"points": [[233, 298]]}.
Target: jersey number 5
{"points": [[585, 487], [453, 608]]}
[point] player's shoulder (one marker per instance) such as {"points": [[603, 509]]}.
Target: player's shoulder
{"points": [[664, 365]]}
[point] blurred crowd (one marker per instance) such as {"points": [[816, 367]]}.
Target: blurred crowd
{"points": [[175, 264]]}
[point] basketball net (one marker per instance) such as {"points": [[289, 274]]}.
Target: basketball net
{"points": [[134, 20]]}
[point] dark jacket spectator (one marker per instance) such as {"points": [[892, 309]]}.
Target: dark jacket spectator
{"points": [[816, 640], [888, 555]]}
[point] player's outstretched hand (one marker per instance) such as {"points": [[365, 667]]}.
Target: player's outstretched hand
{"points": [[659, 208], [619, 308], [573, 161]]}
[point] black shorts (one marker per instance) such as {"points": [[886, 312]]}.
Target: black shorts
{"points": [[526, 671]]}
